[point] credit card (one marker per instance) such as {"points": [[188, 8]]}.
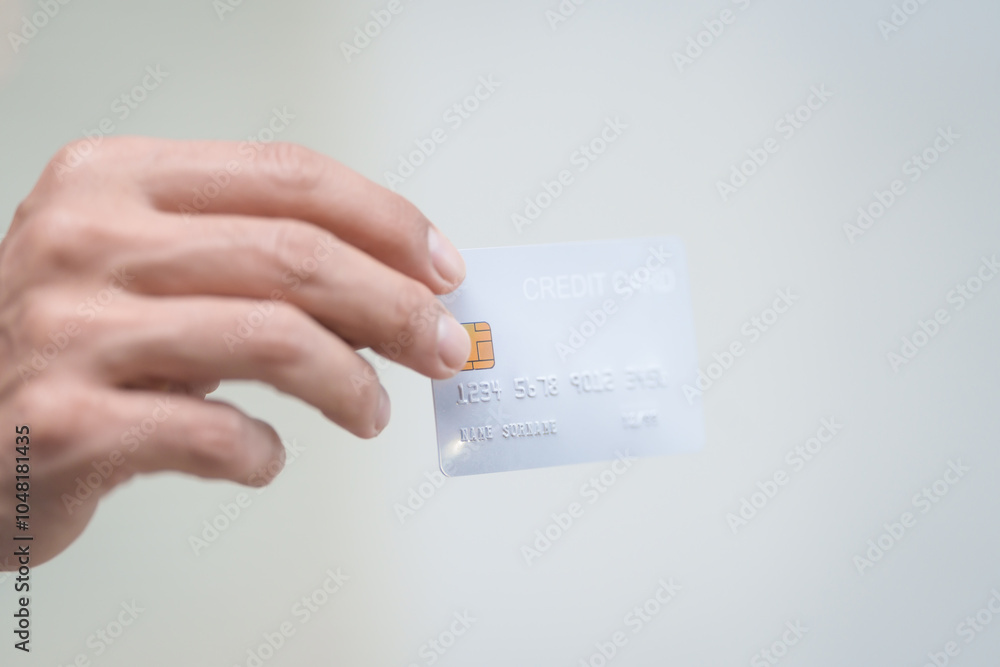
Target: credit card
{"points": [[578, 351]]}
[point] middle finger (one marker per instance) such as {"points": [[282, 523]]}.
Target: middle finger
{"points": [[363, 301]]}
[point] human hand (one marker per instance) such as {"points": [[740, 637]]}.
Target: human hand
{"points": [[118, 313]]}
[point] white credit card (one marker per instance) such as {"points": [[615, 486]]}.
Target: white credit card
{"points": [[578, 354]]}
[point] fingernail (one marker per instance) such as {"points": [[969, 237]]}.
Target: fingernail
{"points": [[453, 342], [384, 410], [446, 259]]}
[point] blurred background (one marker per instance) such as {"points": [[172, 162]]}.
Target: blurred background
{"points": [[754, 132]]}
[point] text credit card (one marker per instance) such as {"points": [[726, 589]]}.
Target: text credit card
{"points": [[578, 350]]}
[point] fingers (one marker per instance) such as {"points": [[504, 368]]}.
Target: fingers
{"points": [[200, 339], [89, 297], [357, 297], [144, 431], [101, 436], [290, 181]]}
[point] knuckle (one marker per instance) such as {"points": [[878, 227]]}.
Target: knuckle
{"points": [[53, 411], [32, 401], [74, 156], [80, 157], [40, 317], [57, 236], [24, 210], [293, 166], [404, 217], [287, 245]]}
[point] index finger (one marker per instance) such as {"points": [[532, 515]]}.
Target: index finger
{"points": [[291, 181]]}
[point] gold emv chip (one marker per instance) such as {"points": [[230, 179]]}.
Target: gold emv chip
{"points": [[481, 354]]}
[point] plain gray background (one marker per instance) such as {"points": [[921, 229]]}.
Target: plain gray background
{"points": [[333, 507]]}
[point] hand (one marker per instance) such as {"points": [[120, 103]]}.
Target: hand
{"points": [[133, 280]]}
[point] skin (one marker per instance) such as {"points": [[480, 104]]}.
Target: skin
{"points": [[157, 297]]}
